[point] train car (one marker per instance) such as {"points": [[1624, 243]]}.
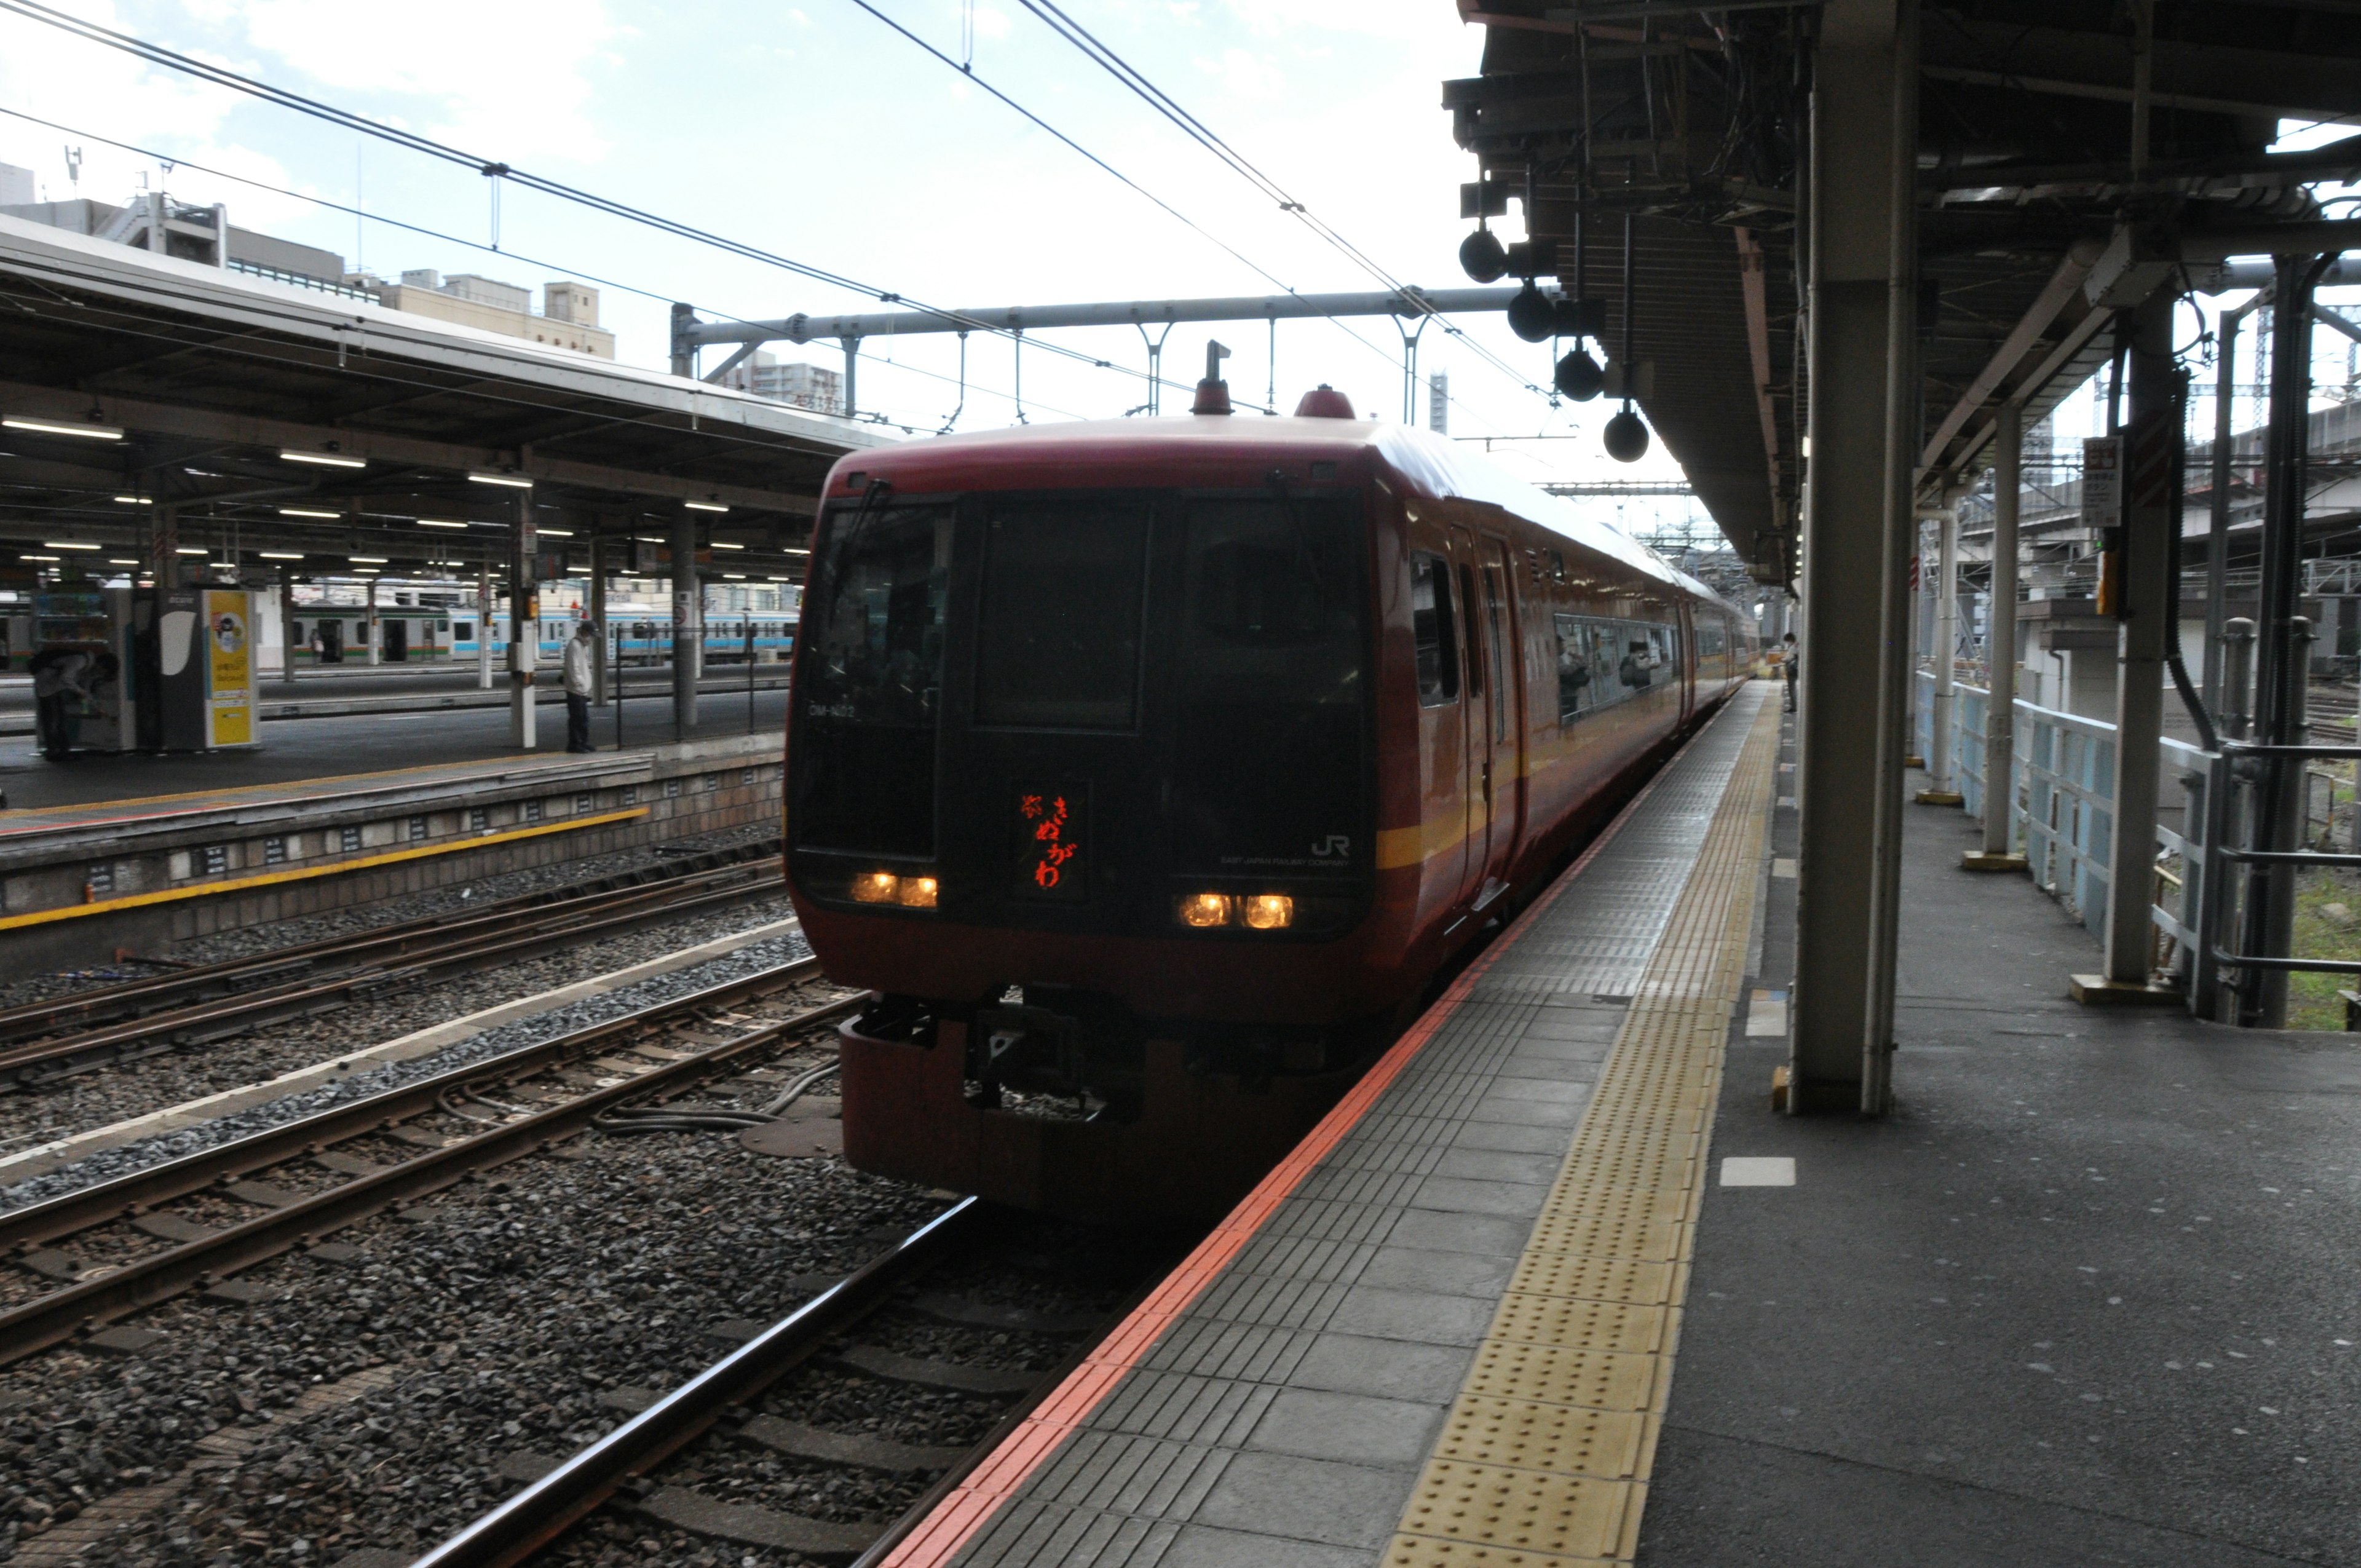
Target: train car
{"points": [[647, 636], [1150, 773], [338, 634]]}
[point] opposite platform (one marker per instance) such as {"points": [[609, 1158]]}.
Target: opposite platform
{"points": [[1440, 1332]]}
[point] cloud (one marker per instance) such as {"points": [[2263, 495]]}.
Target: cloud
{"points": [[507, 81], [1255, 78], [96, 90]]}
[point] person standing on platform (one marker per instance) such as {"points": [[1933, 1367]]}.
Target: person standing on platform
{"points": [[1790, 672], [579, 656], [59, 682]]}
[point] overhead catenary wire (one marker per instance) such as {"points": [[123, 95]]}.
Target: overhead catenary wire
{"points": [[156, 54], [1137, 82], [1391, 281], [359, 215]]}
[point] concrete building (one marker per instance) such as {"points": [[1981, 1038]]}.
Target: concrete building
{"points": [[156, 220], [568, 319], [803, 385]]}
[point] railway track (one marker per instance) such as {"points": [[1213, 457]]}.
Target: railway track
{"points": [[372, 1154], [627, 1465], [41, 1042]]}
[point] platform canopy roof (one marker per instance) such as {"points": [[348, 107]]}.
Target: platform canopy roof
{"points": [[235, 399], [2035, 223]]}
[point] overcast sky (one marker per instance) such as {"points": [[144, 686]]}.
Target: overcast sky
{"points": [[815, 131]]}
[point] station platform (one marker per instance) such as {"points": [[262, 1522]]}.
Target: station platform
{"points": [[408, 731], [1554, 1286]]}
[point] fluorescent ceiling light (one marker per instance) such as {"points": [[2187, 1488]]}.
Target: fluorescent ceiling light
{"points": [[282, 554], [37, 557], [325, 459], [133, 502], [438, 522], [68, 545], [310, 512], [120, 560], [512, 481], [377, 559], [364, 571], [793, 551], [735, 576], [556, 532], [189, 550], [62, 427], [725, 544], [705, 506], [643, 538]]}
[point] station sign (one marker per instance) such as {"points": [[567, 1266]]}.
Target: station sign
{"points": [[2102, 481]]}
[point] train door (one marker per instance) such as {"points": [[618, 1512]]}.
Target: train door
{"points": [[1506, 684], [1494, 730], [1691, 666], [397, 640]]}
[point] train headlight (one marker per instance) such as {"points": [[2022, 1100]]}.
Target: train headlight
{"points": [[876, 887], [919, 892], [1203, 910], [1267, 911]]}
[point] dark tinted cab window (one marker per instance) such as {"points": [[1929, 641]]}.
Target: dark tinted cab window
{"points": [[1064, 589], [871, 684]]}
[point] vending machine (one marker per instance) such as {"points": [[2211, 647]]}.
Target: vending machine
{"points": [[198, 644]]}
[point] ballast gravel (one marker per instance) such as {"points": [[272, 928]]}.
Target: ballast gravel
{"points": [[123, 1090], [107, 1163]]}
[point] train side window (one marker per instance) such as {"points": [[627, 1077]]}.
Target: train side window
{"points": [[1573, 673], [1434, 630], [1557, 565], [464, 631]]}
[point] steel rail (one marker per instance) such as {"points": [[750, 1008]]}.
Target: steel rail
{"points": [[516, 1529], [463, 953], [52, 1318], [35, 1018]]}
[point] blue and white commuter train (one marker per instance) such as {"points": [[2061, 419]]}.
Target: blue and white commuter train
{"points": [[332, 634]]}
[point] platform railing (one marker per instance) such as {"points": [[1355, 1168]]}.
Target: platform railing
{"points": [[2061, 799]]}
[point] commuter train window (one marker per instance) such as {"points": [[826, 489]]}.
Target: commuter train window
{"points": [[1433, 631], [464, 631], [1574, 668], [1064, 596]]}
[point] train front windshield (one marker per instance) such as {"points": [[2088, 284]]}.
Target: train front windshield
{"points": [[1191, 670]]}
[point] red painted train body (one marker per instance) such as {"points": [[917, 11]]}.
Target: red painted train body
{"points": [[1150, 772]]}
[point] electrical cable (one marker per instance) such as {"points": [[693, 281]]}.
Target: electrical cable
{"points": [[1081, 38], [156, 54], [419, 230]]}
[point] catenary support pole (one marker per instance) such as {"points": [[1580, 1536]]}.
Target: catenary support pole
{"points": [[687, 619], [598, 620], [1855, 611], [2145, 639], [524, 630], [2000, 649], [2217, 540]]}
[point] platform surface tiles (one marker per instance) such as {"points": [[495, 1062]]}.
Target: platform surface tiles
{"points": [[1442, 1332]]}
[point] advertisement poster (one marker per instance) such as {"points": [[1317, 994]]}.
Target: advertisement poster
{"points": [[229, 647]]}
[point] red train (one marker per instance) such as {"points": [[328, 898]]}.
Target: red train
{"points": [[1150, 772]]}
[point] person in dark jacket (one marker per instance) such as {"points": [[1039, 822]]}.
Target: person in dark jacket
{"points": [[1790, 662]]}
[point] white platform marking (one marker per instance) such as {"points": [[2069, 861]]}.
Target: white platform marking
{"points": [[1758, 1170]]}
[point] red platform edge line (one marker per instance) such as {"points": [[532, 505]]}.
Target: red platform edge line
{"points": [[956, 1520]]}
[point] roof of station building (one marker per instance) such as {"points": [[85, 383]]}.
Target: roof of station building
{"points": [[212, 374]]}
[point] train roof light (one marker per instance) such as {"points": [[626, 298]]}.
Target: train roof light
{"points": [[1324, 402]]}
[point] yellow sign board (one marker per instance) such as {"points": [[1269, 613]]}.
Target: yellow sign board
{"points": [[229, 649]]}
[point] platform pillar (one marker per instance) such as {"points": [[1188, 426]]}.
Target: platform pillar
{"points": [[598, 620], [524, 630], [369, 628], [2146, 635], [2000, 644], [1855, 621], [164, 545], [484, 627], [287, 624], [688, 623], [1942, 764], [2282, 645]]}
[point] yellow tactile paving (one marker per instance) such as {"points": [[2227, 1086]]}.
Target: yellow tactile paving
{"points": [[1544, 1461]]}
